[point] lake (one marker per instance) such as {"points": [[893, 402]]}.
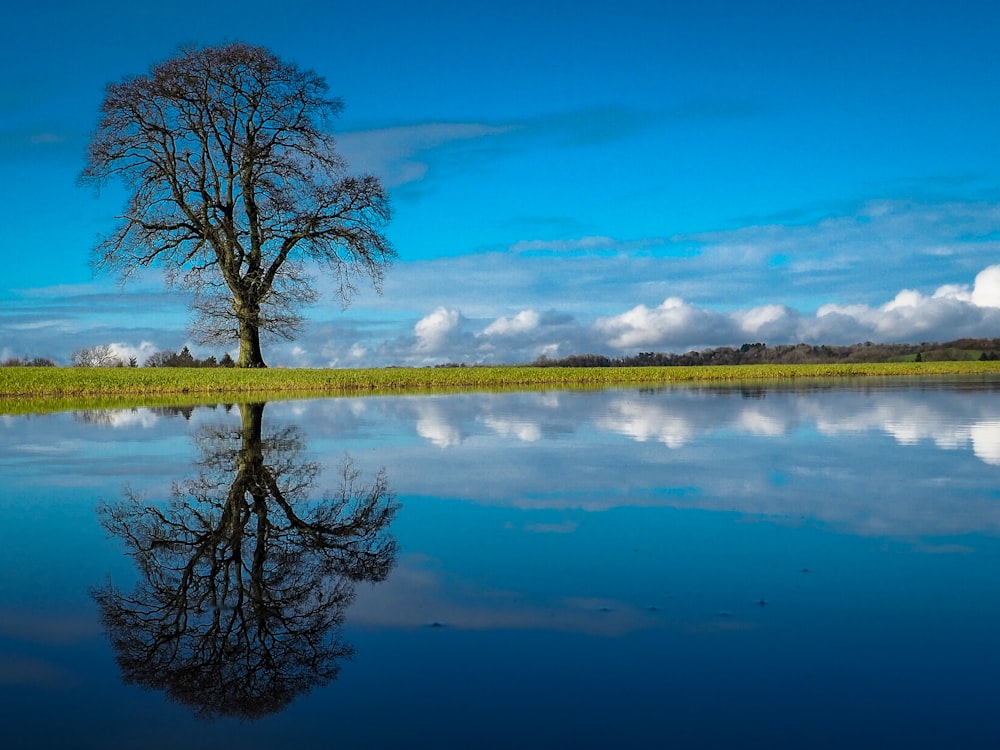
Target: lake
{"points": [[767, 566]]}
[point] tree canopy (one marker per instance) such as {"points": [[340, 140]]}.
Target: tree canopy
{"points": [[236, 190]]}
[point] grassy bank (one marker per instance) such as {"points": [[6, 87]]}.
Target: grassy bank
{"points": [[18, 383]]}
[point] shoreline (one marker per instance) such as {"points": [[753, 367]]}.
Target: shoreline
{"points": [[27, 389]]}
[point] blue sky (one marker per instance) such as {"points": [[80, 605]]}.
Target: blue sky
{"points": [[566, 177]]}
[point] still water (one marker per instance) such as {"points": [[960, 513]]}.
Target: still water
{"points": [[766, 567]]}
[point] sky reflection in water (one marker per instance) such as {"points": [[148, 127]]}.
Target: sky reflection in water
{"points": [[765, 567]]}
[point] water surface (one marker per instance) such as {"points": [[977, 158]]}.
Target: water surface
{"points": [[759, 567]]}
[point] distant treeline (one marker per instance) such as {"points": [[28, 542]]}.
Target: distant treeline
{"points": [[104, 356], [792, 354], [184, 358], [748, 354], [28, 362]]}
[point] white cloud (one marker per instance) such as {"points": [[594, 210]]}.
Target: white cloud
{"points": [[639, 422], [959, 292], [910, 421], [126, 352], [675, 322], [986, 291], [905, 299], [523, 430], [524, 321], [950, 312], [910, 316], [433, 331], [757, 318], [776, 323], [433, 424], [985, 438]]}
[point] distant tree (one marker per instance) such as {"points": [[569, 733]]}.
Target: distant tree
{"points": [[28, 362], [160, 359], [226, 361], [235, 188], [97, 356], [184, 358]]}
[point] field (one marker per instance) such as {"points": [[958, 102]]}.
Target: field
{"points": [[27, 389]]}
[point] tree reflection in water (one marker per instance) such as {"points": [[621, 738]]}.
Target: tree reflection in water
{"points": [[244, 581]]}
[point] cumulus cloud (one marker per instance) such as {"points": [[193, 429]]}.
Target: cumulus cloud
{"points": [[985, 437], [433, 424], [524, 321], [673, 323], [864, 256], [638, 421], [126, 352], [521, 429], [434, 330], [768, 322], [952, 311], [986, 291]]}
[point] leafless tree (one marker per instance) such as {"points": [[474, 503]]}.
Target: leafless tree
{"points": [[96, 356], [236, 190], [244, 576]]}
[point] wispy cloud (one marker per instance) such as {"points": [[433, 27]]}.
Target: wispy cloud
{"points": [[401, 155], [855, 252], [585, 245], [46, 138], [24, 147], [406, 154], [565, 245]]}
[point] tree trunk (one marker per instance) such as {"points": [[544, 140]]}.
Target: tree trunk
{"points": [[252, 421], [250, 354]]}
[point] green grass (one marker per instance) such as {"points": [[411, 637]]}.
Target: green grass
{"points": [[24, 389], [945, 354]]}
